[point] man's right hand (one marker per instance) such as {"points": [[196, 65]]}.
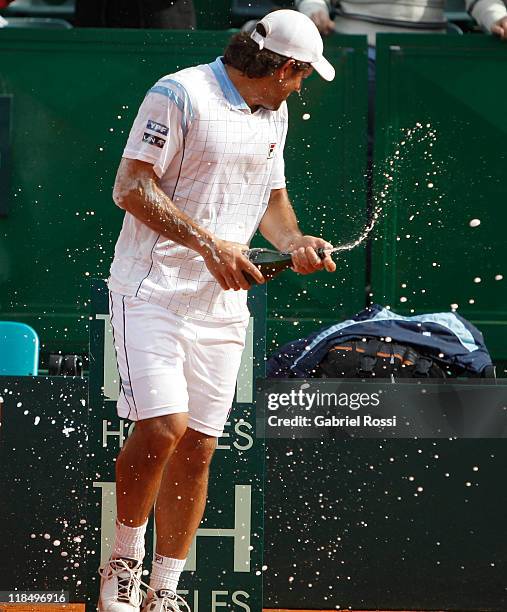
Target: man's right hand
{"points": [[226, 262], [323, 23]]}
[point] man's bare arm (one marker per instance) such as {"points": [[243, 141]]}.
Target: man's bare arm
{"points": [[137, 191], [279, 225]]}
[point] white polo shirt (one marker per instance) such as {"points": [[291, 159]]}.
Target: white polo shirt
{"points": [[218, 162]]}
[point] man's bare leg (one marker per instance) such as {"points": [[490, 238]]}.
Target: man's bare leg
{"points": [[181, 502], [139, 469], [140, 465], [182, 496]]}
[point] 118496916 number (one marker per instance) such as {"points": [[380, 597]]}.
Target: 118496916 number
{"points": [[18, 596]]}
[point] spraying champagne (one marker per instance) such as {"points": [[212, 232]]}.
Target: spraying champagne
{"points": [[271, 262]]}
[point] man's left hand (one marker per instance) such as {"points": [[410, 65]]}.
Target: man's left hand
{"points": [[304, 258], [500, 28]]}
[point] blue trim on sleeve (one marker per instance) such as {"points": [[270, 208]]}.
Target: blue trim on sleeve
{"points": [[179, 97], [229, 90]]}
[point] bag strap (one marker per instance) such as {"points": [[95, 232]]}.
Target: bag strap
{"points": [[489, 372]]}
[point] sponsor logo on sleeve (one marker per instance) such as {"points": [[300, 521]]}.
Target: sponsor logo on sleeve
{"points": [[271, 150], [156, 141], [157, 127]]}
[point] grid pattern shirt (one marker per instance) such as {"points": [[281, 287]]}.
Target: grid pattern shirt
{"points": [[218, 162]]}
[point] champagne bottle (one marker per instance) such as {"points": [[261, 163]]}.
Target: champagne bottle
{"points": [[270, 262]]}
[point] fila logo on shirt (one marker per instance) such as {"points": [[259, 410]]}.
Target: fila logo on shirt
{"points": [[271, 150]]}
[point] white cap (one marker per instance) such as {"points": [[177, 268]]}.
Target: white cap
{"points": [[294, 35]]}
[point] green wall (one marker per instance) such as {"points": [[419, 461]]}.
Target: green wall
{"points": [[426, 241], [75, 93]]}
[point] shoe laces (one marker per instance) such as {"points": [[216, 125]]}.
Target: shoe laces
{"points": [[129, 580], [171, 601]]}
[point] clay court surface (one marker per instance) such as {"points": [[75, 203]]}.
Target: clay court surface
{"points": [[81, 608]]}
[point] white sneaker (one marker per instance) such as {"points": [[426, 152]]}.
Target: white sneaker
{"points": [[120, 586], [164, 600]]}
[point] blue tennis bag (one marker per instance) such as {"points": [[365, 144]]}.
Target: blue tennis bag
{"points": [[379, 342]]}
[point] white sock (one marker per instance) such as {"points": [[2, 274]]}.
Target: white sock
{"points": [[165, 572], [129, 541]]}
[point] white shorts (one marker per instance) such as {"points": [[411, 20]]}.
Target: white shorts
{"points": [[170, 364]]}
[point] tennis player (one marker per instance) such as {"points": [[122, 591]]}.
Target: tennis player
{"points": [[202, 170]]}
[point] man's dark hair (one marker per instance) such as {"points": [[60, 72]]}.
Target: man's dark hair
{"points": [[244, 54]]}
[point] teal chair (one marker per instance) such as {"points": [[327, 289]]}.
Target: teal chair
{"points": [[19, 349]]}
